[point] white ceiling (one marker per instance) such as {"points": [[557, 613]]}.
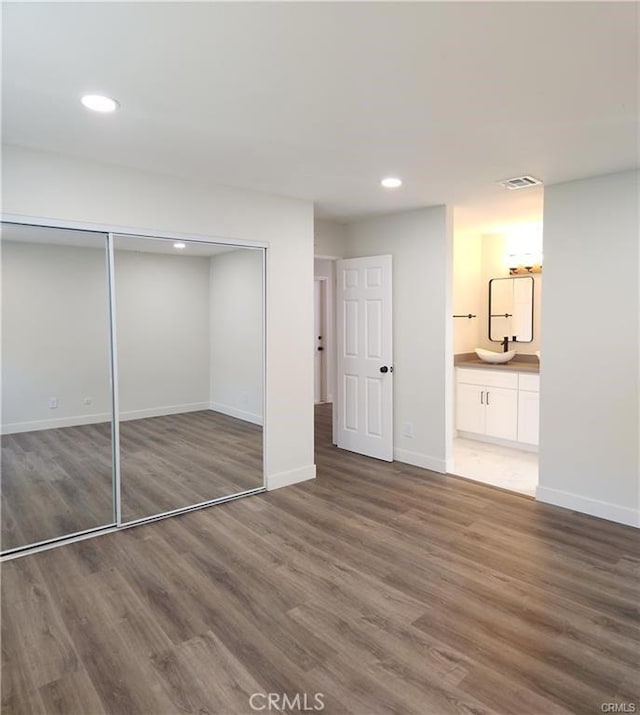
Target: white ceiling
{"points": [[321, 100]]}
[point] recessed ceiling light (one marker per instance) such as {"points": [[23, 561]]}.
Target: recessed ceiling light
{"points": [[99, 103], [391, 182], [180, 245]]}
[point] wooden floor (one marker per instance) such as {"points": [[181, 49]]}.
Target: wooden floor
{"points": [[59, 481], [386, 588]]}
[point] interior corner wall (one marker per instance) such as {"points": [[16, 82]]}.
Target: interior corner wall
{"points": [[52, 186], [589, 424], [56, 335], [236, 299], [162, 316], [329, 238], [420, 242]]}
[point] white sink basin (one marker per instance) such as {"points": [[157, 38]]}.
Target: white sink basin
{"points": [[490, 356]]}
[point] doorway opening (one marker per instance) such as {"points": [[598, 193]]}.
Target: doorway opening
{"points": [[353, 351], [321, 340], [497, 316]]}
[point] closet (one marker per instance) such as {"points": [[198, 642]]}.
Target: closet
{"points": [[133, 378]]}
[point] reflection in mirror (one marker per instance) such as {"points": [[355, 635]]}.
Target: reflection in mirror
{"points": [[189, 319], [56, 396], [511, 309]]}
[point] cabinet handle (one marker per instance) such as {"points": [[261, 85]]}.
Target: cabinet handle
{"points": [[487, 398], [482, 397]]}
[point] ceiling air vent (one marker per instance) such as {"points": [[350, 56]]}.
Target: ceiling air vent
{"points": [[520, 182]]}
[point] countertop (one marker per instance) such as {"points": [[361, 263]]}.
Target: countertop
{"points": [[515, 365]]}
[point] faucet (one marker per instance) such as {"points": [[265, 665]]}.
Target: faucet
{"points": [[505, 344]]}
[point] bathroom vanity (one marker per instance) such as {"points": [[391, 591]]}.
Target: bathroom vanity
{"points": [[498, 403]]}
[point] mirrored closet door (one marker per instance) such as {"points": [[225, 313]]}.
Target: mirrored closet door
{"points": [[57, 466], [189, 335], [132, 379]]}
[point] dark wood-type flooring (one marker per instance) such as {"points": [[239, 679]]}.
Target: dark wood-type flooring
{"points": [[386, 588], [58, 481]]}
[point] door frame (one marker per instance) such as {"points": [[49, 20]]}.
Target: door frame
{"points": [[326, 387]]}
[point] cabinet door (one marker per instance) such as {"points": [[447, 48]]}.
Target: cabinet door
{"points": [[470, 408], [502, 412], [528, 417]]}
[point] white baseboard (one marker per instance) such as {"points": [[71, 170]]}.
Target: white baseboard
{"points": [[235, 412], [594, 507], [295, 476], [79, 420], [522, 446], [417, 459], [162, 411], [36, 425]]}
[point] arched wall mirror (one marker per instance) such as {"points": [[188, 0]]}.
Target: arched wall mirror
{"points": [[132, 375]]}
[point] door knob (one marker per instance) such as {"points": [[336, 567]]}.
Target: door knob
{"points": [[384, 368]]}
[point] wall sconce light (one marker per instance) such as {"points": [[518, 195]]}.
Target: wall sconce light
{"points": [[524, 249], [525, 264]]}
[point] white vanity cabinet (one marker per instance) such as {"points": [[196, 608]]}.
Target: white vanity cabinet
{"points": [[528, 408], [487, 403], [498, 405]]}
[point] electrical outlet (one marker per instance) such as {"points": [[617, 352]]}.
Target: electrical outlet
{"points": [[87, 401], [408, 430], [52, 404]]}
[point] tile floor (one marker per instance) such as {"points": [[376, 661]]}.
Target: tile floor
{"points": [[492, 464]]}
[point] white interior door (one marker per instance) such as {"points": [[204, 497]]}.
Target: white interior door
{"points": [[318, 344], [365, 356]]}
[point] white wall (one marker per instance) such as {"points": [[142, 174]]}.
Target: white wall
{"points": [[55, 335], [467, 290], [421, 245], [236, 334], [162, 327], [589, 423], [189, 334], [56, 341], [48, 185], [329, 238]]}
